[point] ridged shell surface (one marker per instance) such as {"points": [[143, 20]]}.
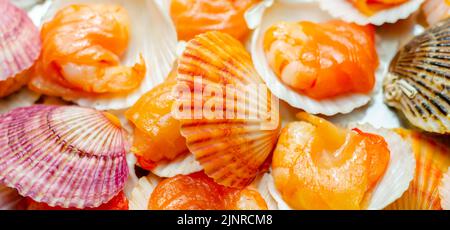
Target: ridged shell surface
{"points": [[20, 42], [62, 155], [231, 148], [418, 82], [432, 161]]}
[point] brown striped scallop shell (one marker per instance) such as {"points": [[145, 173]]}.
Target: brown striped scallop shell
{"points": [[418, 82]]}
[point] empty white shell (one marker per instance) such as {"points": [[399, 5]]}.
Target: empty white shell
{"points": [[151, 34], [132, 180], [140, 195], [345, 10], [182, 165], [262, 185]]}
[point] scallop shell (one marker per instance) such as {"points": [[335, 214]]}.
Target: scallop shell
{"points": [[230, 147], [20, 42], [266, 14], [156, 40], [345, 10], [432, 160], [140, 195], [62, 155], [393, 183], [266, 187], [132, 180], [10, 199], [182, 165], [444, 191], [435, 10], [418, 81], [261, 183], [399, 173]]}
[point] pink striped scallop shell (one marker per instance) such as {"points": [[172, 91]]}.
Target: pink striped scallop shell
{"points": [[64, 156], [20, 42]]}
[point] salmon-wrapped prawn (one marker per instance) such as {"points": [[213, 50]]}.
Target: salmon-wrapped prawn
{"points": [[82, 47], [323, 60]]}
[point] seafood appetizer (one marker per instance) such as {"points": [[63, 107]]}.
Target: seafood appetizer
{"points": [[432, 162], [193, 17], [157, 141], [232, 128], [312, 62], [317, 165], [65, 156], [436, 10], [19, 47], [317, 60], [140, 195], [418, 80], [376, 12], [175, 104], [97, 55], [196, 192], [444, 191]]}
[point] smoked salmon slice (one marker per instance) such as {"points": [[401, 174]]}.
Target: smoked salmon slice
{"points": [[82, 46], [193, 17], [323, 60], [157, 133], [317, 165]]}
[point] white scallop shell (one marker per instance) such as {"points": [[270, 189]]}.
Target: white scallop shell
{"points": [[282, 205], [399, 173], [296, 12], [444, 190], [345, 10], [152, 35], [132, 180], [140, 195], [262, 185], [182, 165]]}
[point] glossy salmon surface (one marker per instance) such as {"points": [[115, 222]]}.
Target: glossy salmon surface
{"points": [[323, 60], [199, 192], [193, 17], [370, 7], [82, 46], [317, 165], [157, 133]]}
